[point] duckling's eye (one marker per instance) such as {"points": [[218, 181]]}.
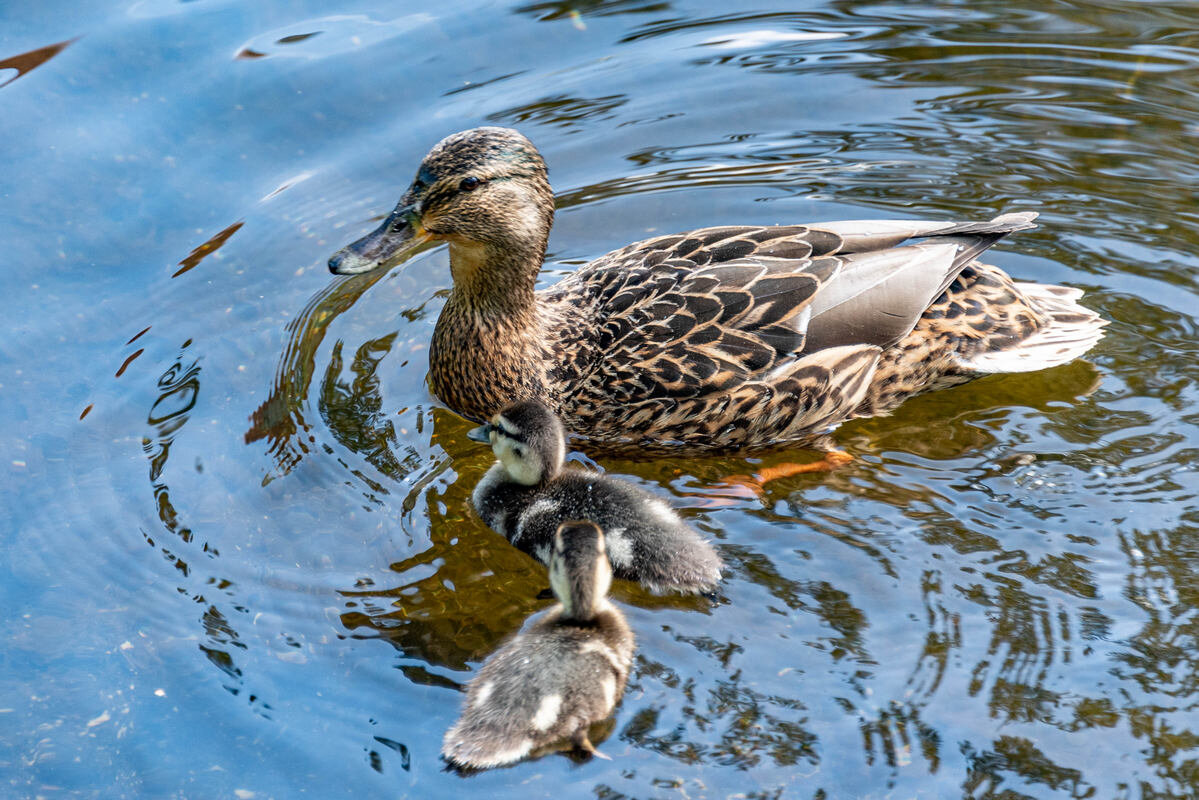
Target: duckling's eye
{"points": [[469, 183], [520, 451]]}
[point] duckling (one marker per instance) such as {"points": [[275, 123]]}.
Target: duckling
{"points": [[551, 682], [527, 493]]}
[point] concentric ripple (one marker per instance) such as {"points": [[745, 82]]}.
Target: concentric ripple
{"points": [[241, 559]]}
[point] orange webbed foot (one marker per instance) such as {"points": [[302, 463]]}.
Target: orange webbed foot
{"points": [[749, 487]]}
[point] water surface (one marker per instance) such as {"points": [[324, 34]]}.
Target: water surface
{"points": [[239, 559]]}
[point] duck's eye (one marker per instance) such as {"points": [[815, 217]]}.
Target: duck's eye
{"points": [[469, 183]]}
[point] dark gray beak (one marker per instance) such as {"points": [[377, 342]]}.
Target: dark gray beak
{"points": [[480, 434], [399, 235]]}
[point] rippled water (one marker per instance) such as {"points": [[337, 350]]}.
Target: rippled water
{"points": [[240, 561]]}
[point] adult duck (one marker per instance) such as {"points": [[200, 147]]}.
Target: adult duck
{"points": [[719, 339]]}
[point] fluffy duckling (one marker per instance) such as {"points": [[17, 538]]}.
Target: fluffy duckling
{"points": [[527, 493], [551, 682]]}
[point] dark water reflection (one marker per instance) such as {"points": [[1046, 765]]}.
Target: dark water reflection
{"points": [[240, 560]]}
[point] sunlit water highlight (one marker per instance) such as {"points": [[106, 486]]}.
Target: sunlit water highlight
{"points": [[240, 560]]}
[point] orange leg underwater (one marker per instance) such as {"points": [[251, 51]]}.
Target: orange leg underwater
{"points": [[755, 485]]}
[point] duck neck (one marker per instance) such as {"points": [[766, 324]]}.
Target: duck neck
{"points": [[494, 280], [488, 346], [581, 587], [580, 606]]}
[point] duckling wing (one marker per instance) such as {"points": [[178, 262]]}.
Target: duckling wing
{"points": [[646, 539]]}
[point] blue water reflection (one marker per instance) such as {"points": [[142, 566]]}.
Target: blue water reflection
{"points": [[240, 560]]}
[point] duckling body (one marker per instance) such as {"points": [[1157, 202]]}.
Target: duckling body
{"points": [[648, 542], [563, 673], [719, 339], [528, 493]]}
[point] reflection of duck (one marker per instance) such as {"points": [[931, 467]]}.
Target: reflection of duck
{"points": [[718, 339], [527, 493], [551, 682]]}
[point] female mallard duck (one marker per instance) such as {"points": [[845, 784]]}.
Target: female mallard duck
{"points": [[719, 339], [551, 682], [527, 493]]}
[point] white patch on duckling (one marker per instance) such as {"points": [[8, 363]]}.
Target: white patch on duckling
{"points": [[560, 585], [542, 552], [620, 547], [608, 687], [603, 582], [500, 757], [662, 513], [483, 695], [547, 712], [603, 604], [518, 460], [542, 506], [559, 450]]}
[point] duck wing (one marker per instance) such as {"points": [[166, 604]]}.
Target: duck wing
{"points": [[880, 290], [712, 310]]}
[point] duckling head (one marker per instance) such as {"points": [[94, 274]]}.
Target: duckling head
{"points": [[528, 439], [580, 574], [486, 192]]}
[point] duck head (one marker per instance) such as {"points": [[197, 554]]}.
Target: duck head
{"points": [[580, 574], [528, 439], [485, 191]]}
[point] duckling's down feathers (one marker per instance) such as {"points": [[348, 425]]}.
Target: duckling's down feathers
{"points": [[646, 540], [547, 684]]}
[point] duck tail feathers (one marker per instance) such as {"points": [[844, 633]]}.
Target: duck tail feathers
{"points": [[1068, 331], [1001, 225]]}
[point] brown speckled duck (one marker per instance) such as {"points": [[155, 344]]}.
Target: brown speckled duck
{"points": [[563, 673], [719, 339]]}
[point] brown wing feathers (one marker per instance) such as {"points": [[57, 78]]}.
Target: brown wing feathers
{"points": [[698, 314], [741, 333]]}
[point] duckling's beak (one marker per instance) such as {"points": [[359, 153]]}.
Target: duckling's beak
{"points": [[390, 243], [480, 434]]}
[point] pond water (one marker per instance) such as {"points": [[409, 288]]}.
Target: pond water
{"points": [[238, 554]]}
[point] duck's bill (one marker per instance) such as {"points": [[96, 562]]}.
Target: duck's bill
{"points": [[480, 434], [393, 241]]}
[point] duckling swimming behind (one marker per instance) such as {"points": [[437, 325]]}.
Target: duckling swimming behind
{"points": [[527, 494], [554, 680]]}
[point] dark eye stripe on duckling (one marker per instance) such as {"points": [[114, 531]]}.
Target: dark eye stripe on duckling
{"points": [[509, 430]]}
